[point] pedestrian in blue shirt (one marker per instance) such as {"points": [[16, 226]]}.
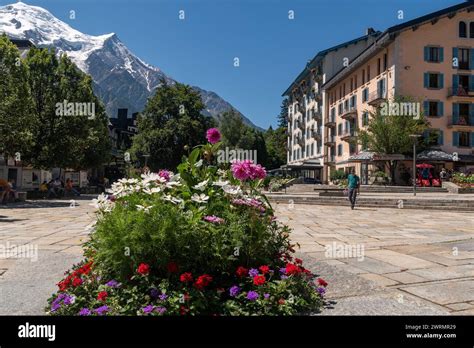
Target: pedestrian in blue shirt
{"points": [[353, 187]]}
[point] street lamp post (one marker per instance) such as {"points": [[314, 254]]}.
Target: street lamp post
{"points": [[146, 159], [415, 138]]}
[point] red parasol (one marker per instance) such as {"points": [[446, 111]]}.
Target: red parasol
{"points": [[424, 165]]}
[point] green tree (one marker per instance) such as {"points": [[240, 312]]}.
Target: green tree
{"points": [[389, 133], [16, 120], [171, 121]]}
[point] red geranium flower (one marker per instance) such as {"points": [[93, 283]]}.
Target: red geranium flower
{"points": [[298, 261], [242, 271], [102, 296], [143, 269], [264, 269], [77, 282], [259, 280], [203, 281], [183, 310], [322, 282], [281, 301], [186, 277], [62, 285], [172, 267], [292, 269]]}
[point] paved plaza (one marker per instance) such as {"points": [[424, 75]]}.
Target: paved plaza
{"points": [[381, 261]]}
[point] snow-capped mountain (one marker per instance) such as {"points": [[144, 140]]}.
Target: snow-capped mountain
{"points": [[122, 80]]}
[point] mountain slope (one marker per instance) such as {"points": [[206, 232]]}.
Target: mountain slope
{"points": [[121, 79]]}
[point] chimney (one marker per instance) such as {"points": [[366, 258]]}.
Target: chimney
{"points": [[369, 31]]}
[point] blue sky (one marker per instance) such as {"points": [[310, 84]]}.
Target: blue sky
{"points": [[200, 50]]}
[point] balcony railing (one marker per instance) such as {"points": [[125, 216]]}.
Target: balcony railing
{"points": [[330, 159], [316, 134], [461, 91], [330, 121], [349, 112], [348, 134], [460, 121], [377, 97], [330, 140]]}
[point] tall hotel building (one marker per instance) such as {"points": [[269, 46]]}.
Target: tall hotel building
{"points": [[430, 59]]}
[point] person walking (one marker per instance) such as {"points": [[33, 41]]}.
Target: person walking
{"points": [[353, 184]]}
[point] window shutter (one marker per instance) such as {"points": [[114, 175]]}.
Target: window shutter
{"points": [[426, 108], [455, 113], [426, 80], [471, 63], [440, 80], [440, 109], [455, 55], [471, 114], [427, 53], [472, 139], [441, 54], [455, 83], [455, 138], [440, 137], [471, 83]]}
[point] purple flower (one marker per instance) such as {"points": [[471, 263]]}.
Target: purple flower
{"points": [[55, 306], [214, 219], [267, 296], [165, 174], [321, 291], [113, 284], [148, 309], [163, 297], [283, 276], [252, 295], [101, 310], [68, 299], [213, 135], [253, 272], [234, 291], [154, 293], [283, 270], [85, 312], [160, 309]]}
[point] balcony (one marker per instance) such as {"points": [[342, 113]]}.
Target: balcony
{"points": [[330, 140], [460, 92], [317, 115], [330, 160], [316, 134], [348, 113], [348, 135], [377, 97], [460, 122], [300, 141], [300, 124], [330, 121]]}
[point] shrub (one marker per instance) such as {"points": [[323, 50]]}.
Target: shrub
{"points": [[338, 175], [203, 241]]}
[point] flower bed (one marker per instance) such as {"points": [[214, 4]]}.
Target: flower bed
{"points": [[463, 180], [203, 241]]}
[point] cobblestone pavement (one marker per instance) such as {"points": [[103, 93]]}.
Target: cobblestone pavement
{"points": [[388, 261], [412, 261], [57, 231]]}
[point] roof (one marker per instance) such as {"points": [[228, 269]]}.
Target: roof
{"points": [[389, 34], [320, 55], [434, 155]]}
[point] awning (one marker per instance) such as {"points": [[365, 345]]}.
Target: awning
{"points": [[308, 164], [368, 156], [434, 155]]}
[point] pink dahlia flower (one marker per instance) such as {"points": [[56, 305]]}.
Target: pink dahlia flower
{"points": [[213, 135], [214, 219]]}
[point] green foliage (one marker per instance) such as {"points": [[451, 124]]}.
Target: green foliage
{"points": [[171, 121], [202, 222], [338, 174]]}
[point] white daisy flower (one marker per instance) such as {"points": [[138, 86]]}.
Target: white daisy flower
{"points": [[232, 190], [201, 186], [202, 198]]}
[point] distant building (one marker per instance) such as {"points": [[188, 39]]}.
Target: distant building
{"points": [[306, 107]]}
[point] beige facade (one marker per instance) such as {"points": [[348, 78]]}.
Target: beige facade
{"points": [[430, 61]]}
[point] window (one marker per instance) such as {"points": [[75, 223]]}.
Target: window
{"points": [[352, 103], [368, 73], [365, 119], [433, 54], [339, 150], [433, 80], [378, 66], [385, 62], [462, 29], [463, 58], [433, 108], [355, 81], [365, 95], [363, 76], [471, 30], [339, 129], [312, 149], [464, 139], [340, 106], [346, 104], [433, 137]]}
